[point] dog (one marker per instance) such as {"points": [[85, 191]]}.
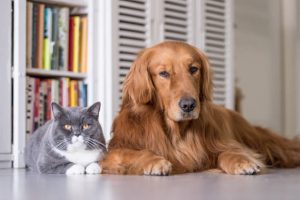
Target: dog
{"points": [[168, 123]]}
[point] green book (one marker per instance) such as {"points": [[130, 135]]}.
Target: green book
{"points": [[47, 51]]}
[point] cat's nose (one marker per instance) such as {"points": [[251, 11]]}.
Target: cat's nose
{"points": [[77, 133]]}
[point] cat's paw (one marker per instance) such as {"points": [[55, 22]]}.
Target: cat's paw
{"points": [[93, 168], [75, 170]]}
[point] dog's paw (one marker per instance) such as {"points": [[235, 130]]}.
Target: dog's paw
{"points": [[161, 167], [75, 170], [246, 167], [93, 168]]}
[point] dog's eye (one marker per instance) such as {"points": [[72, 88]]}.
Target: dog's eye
{"points": [[193, 69], [164, 74]]}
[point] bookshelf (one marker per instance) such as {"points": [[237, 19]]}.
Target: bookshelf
{"points": [[55, 74], [20, 71]]}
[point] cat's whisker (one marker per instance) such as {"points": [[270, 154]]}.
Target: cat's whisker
{"points": [[94, 143], [61, 145], [98, 142], [90, 144]]}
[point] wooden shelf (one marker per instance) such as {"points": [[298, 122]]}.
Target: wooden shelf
{"points": [[71, 3], [55, 73]]}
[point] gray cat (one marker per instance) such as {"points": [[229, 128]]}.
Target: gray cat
{"points": [[71, 143]]}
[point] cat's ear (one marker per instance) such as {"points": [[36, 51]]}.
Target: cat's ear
{"points": [[57, 110], [94, 109]]}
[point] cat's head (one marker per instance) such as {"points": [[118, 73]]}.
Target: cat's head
{"points": [[77, 128]]}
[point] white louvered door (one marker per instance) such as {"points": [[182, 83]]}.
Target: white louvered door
{"points": [[177, 20], [217, 26], [133, 35]]}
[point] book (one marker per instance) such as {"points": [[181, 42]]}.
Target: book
{"points": [[63, 35], [29, 19], [49, 98], [71, 44], [40, 36], [73, 93], [36, 104], [47, 38], [83, 44], [76, 38], [29, 104], [54, 44], [34, 30]]}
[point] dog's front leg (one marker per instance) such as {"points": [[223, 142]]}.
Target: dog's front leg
{"points": [[139, 162], [240, 161]]}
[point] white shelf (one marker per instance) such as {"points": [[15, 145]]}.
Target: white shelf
{"points": [[55, 73], [72, 3]]}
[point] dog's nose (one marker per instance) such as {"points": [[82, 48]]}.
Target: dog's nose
{"points": [[187, 104]]}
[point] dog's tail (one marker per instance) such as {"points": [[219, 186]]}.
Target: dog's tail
{"points": [[277, 150]]}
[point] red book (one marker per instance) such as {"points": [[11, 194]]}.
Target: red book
{"points": [[71, 44], [49, 99], [36, 114]]}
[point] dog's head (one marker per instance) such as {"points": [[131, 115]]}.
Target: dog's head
{"points": [[173, 75]]}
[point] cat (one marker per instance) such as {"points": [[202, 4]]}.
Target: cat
{"points": [[71, 143]]}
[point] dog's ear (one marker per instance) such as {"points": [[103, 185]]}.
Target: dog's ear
{"points": [[138, 87], [206, 78]]}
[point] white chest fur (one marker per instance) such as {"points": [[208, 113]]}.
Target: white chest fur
{"points": [[80, 155]]}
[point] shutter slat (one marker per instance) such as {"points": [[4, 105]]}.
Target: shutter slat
{"points": [[177, 15], [215, 29], [175, 7], [215, 9], [136, 13], [127, 56], [211, 49], [182, 3], [130, 50], [212, 22], [174, 21], [175, 35], [130, 19], [125, 63], [215, 3], [132, 27], [140, 36], [132, 42], [132, 5], [214, 16]]}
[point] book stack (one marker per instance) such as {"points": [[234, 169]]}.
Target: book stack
{"points": [[55, 39], [41, 92]]}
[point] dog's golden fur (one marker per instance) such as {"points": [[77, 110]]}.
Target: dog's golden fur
{"points": [[152, 136]]}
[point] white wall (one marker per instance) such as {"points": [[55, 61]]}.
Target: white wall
{"points": [[258, 62], [298, 70]]}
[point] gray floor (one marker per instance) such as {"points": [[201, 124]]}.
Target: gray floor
{"points": [[276, 184]]}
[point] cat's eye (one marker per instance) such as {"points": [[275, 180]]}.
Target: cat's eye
{"points": [[85, 126], [67, 126]]}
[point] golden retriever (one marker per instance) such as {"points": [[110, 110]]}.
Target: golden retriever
{"points": [[168, 123]]}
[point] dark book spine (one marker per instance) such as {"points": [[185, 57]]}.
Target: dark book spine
{"points": [[85, 94], [34, 34], [71, 44], [54, 40]]}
